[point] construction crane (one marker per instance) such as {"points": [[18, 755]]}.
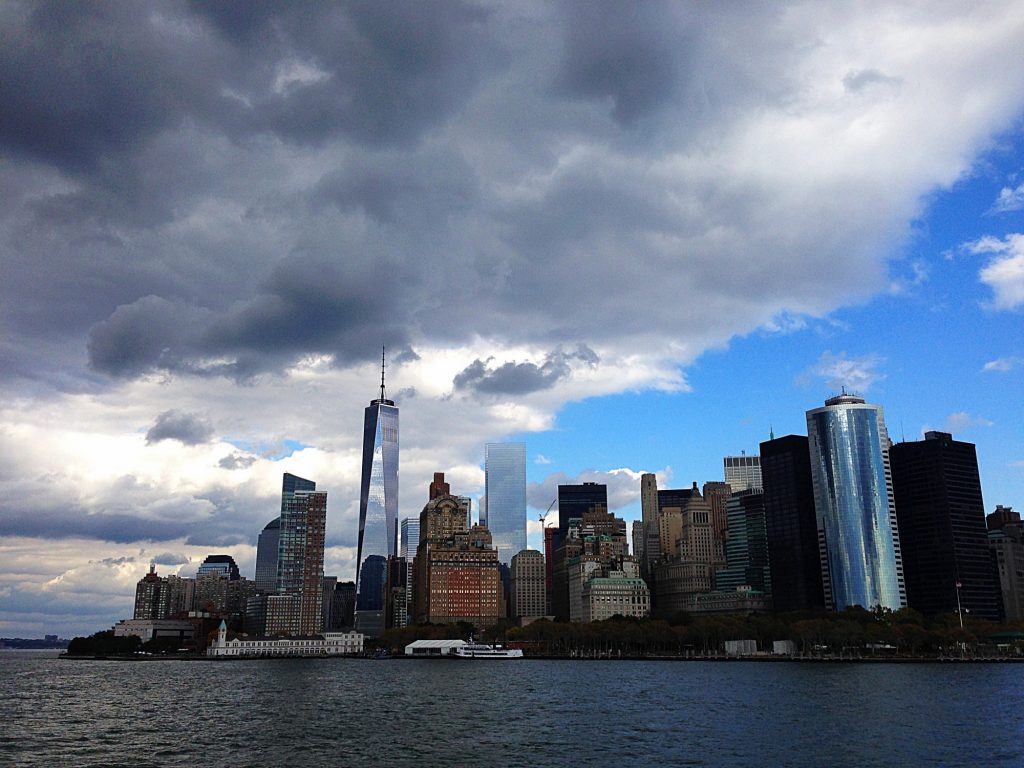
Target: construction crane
{"points": [[544, 517]]}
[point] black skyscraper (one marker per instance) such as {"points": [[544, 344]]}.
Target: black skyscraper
{"points": [[574, 500], [941, 519], [790, 524]]}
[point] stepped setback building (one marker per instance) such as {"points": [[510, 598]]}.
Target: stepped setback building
{"points": [[457, 575]]}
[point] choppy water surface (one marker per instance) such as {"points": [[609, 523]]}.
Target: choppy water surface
{"points": [[348, 712]]}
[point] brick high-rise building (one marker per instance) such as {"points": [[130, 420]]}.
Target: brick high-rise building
{"points": [[457, 575], [301, 559]]}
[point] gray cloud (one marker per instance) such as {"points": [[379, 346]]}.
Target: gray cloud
{"points": [[513, 378], [186, 428], [236, 461], [623, 487], [865, 78], [112, 561], [623, 53], [168, 558], [147, 334], [209, 190]]}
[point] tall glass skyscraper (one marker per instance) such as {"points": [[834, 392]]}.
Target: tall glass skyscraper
{"points": [[853, 500], [266, 556], [378, 512], [505, 488]]}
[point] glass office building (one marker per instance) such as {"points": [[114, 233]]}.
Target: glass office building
{"points": [[224, 565], [266, 556], [378, 513], [505, 489], [853, 500]]}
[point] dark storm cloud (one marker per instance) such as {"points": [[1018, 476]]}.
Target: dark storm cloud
{"points": [[66, 522], [314, 304], [622, 52], [148, 334], [513, 378], [388, 69], [186, 428], [402, 186], [131, 510], [208, 247], [81, 81], [221, 188]]}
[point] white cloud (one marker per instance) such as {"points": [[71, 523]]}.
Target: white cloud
{"points": [[1004, 273], [1002, 364], [856, 374], [540, 458], [962, 421], [1010, 199]]}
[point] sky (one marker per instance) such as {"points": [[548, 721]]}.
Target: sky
{"points": [[638, 237]]}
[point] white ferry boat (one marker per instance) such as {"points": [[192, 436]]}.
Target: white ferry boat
{"points": [[474, 650]]}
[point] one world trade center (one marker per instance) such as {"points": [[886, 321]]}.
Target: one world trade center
{"points": [[378, 511]]}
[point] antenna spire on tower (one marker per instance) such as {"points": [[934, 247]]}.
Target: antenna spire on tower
{"points": [[382, 348]]}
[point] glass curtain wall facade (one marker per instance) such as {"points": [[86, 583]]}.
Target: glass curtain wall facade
{"points": [[505, 489], [742, 472], [266, 556], [378, 514], [856, 514]]}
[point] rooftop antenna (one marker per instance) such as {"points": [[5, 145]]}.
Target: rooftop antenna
{"points": [[382, 348], [771, 431]]}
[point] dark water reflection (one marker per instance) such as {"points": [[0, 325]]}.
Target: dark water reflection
{"points": [[540, 713]]}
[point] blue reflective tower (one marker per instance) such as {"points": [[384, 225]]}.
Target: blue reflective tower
{"points": [[857, 532], [505, 489], [378, 511]]}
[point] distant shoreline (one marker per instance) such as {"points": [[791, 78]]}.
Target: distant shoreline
{"points": [[716, 659]]}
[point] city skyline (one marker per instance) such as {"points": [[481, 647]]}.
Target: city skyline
{"points": [[635, 239]]}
